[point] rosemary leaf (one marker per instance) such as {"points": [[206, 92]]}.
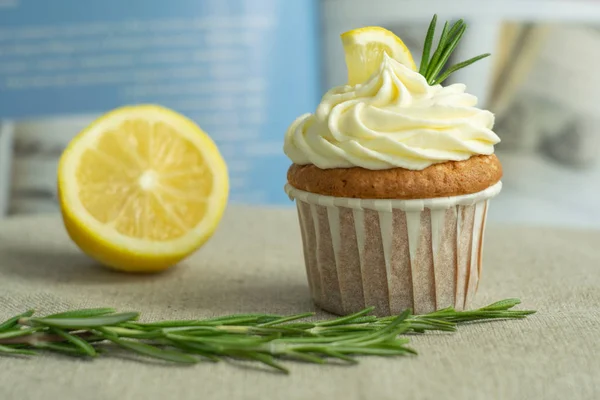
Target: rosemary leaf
{"points": [[196, 330], [478, 315], [443, 311], [422, 325], [13, 350], [286, 319], [318, 339], [397, 346], [438, 52], [229, 320], [242, 320], [17, 333], [263, 358], [154, 352], [12, 322], [196, 348], [455, 28], [64, 348], [427, 46], [367, 319], [83, 313], [85, 323], [336, 354], [337, 329], [307, 357], [446, 54], [437, 323], [395, 328], [165, 324], [346, 319], [76, 341], [398, 321], [502, 305], [256, 317], [282, 330], [133, 333], [459, 66], [233, 342], [372, 351]]}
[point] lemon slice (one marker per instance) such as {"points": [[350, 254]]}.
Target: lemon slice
{"points": [[364, 49], [141, 188]]}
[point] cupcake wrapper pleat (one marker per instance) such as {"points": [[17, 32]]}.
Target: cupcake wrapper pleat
{"points": [[392, 259]]}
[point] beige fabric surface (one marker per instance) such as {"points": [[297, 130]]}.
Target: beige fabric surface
{"points": [[254, 264]]}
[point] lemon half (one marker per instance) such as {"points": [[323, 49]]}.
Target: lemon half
{"points": [[364, 49], [141, 188]]}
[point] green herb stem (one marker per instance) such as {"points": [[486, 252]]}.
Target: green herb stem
{"points": [[436, 70], [261, 338]]}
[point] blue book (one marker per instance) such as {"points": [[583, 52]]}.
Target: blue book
{"points": [[242, 69]]}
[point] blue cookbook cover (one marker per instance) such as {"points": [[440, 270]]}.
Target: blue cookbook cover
{"points": [[243, 69]]}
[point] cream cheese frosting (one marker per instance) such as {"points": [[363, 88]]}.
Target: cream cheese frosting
{"points": [[395, 119]]}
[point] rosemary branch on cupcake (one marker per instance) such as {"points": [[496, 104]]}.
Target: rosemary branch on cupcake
{"points": [[434, 66], [262, 338]]}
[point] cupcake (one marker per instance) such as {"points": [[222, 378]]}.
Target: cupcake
{"points": [[392, 176]]}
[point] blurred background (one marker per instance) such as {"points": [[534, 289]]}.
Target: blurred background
{"points": [[244, 69]]}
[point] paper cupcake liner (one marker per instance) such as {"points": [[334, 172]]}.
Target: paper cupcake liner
{"points": [[392, 254]]}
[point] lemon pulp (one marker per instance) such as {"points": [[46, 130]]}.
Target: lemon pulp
{"points": [[364, 49], [141, 188]]}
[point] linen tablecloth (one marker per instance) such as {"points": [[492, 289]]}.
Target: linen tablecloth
{"points": [[254, 264]]}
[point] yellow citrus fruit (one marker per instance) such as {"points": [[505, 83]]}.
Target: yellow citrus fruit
{"points": [[141, 188], [364, 48]]}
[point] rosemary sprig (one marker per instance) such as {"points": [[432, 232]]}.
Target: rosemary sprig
{"points": [[432, 68], [427, 46], [261, 338]]}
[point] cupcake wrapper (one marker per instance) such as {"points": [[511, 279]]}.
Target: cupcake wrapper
{"points": [[392, 254]]}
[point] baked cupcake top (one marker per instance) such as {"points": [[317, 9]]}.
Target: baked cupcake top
{"points": [[394, 132], [453, 178], [394, 120]]}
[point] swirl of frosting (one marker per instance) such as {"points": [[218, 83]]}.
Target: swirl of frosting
{"points": [[395, 119]]}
